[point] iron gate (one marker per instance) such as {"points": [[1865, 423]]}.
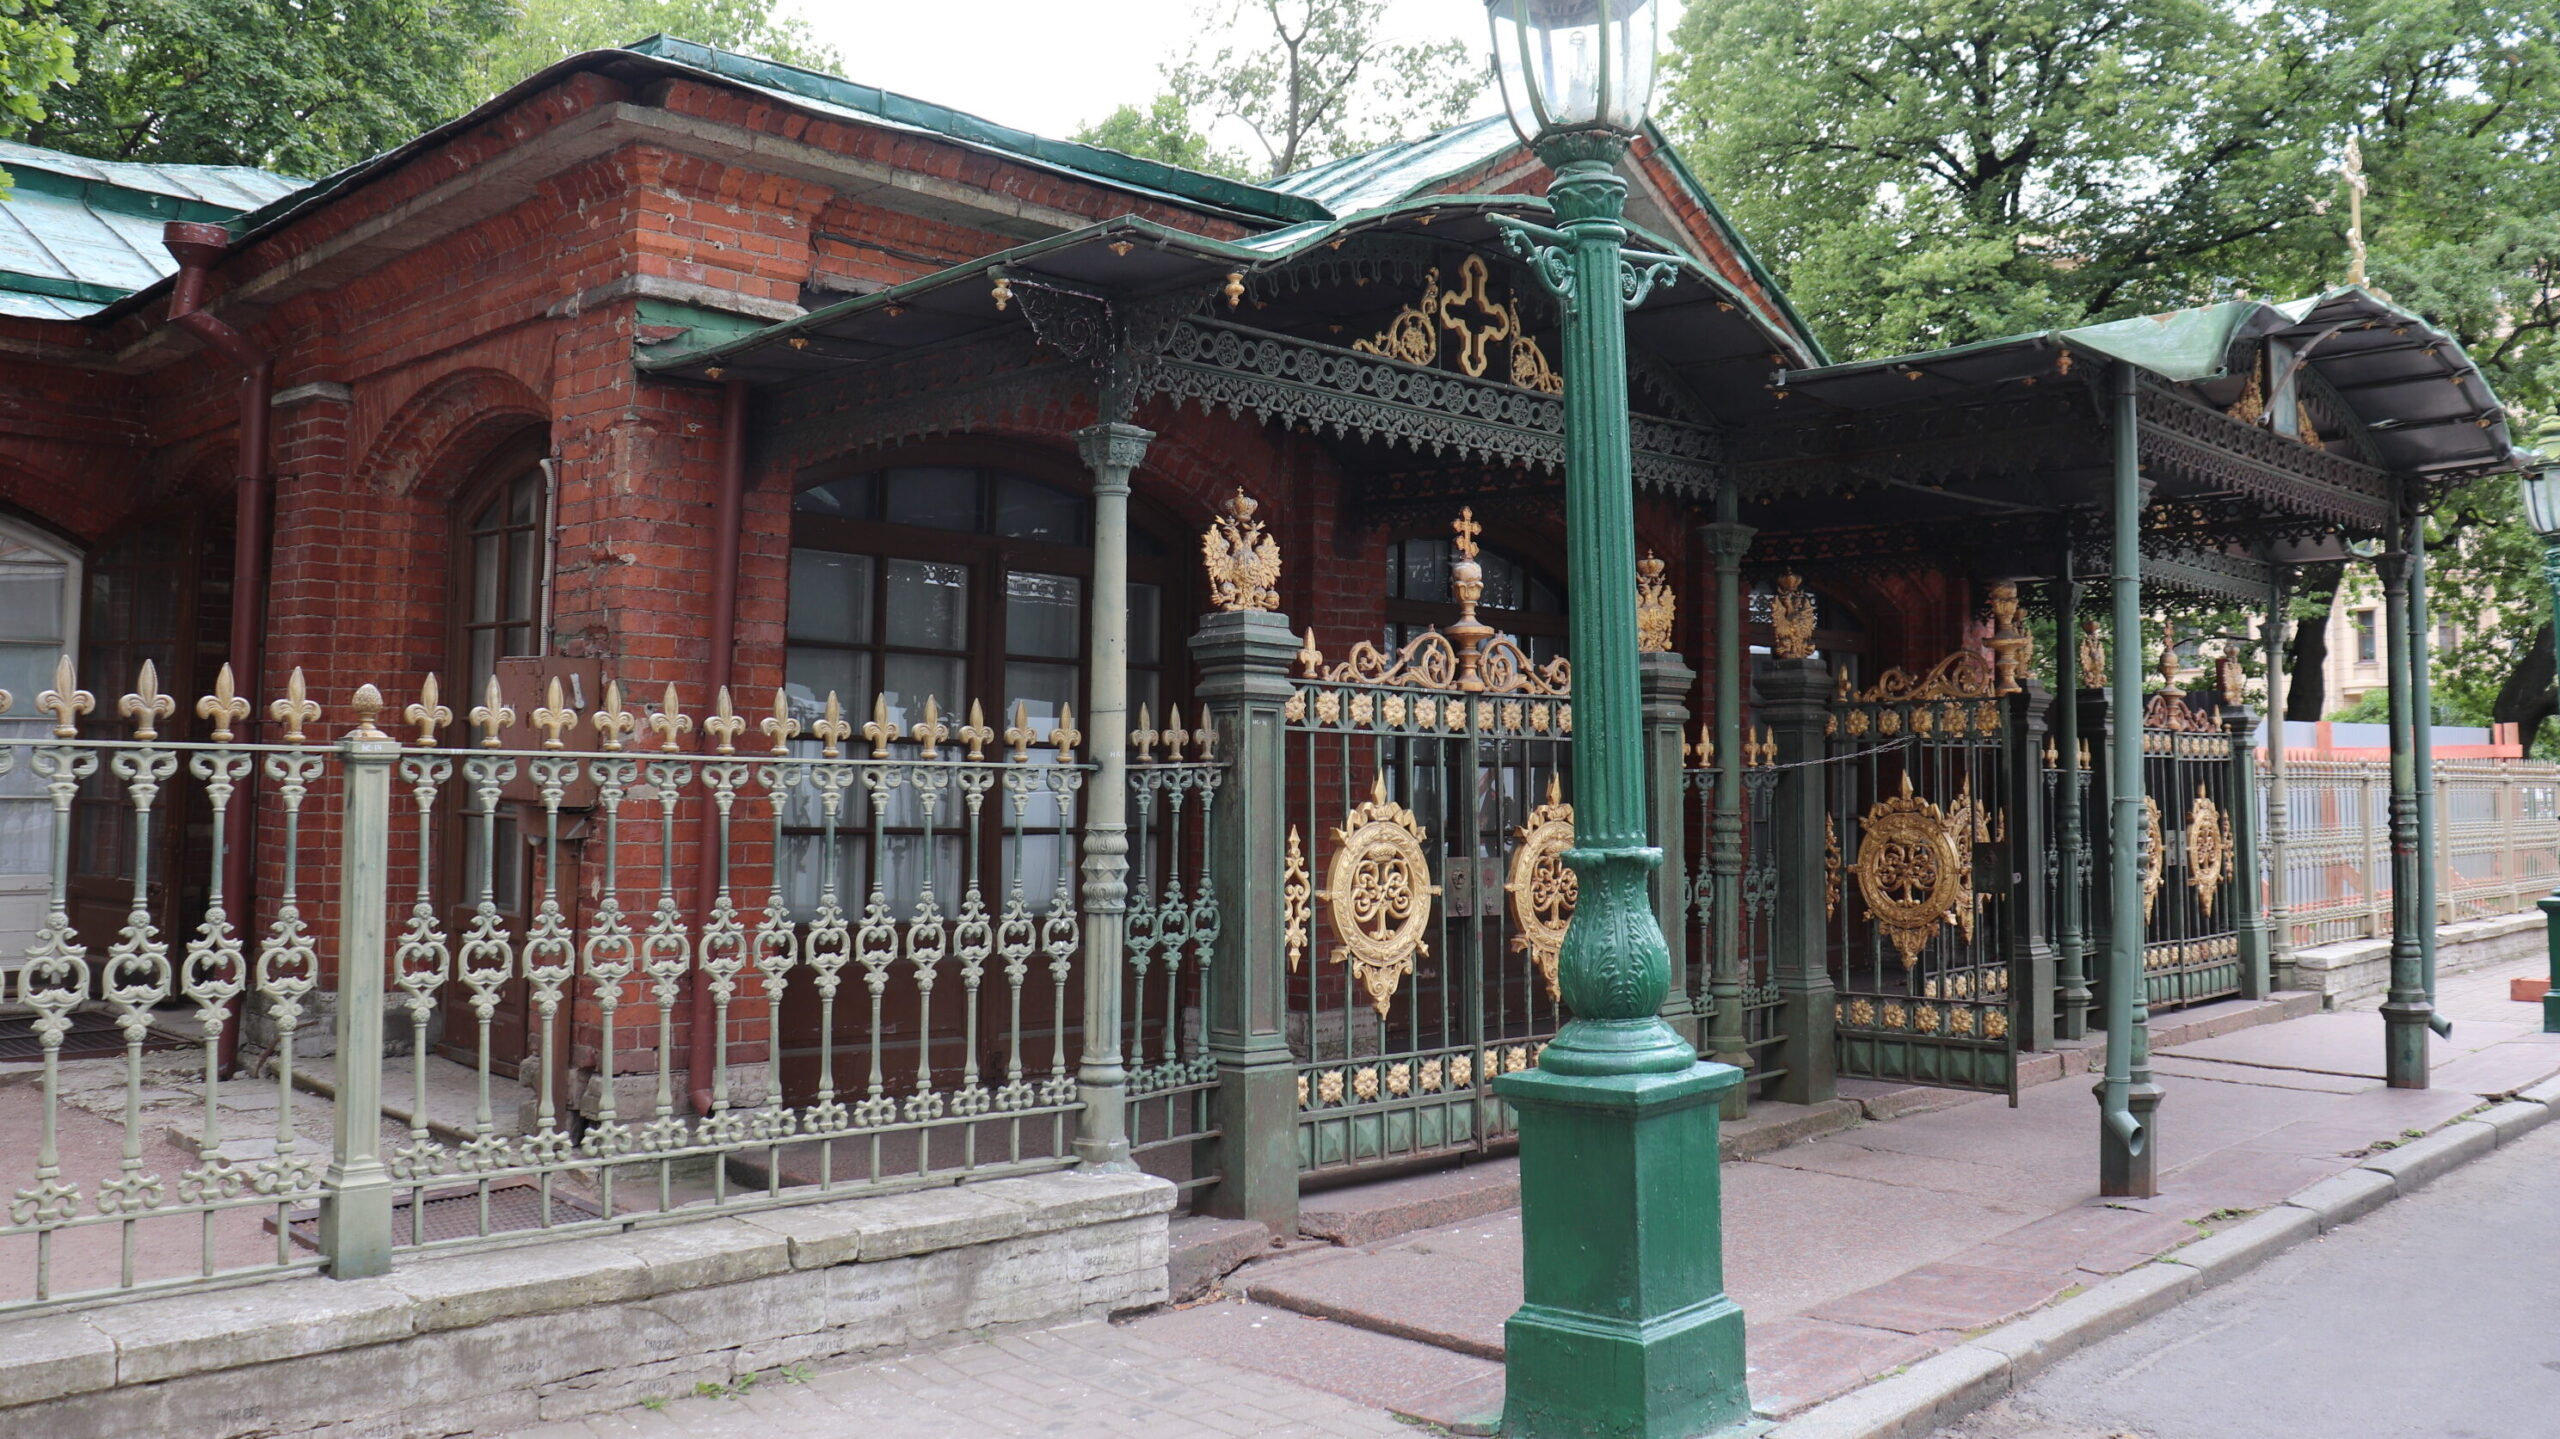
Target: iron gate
{"points": [[2191, 936], [1918, 877]]}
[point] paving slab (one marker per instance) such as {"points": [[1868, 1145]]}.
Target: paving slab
{"points": [[2093, 1238], [1795, 1364], [1982, 1177], [2500, 1069], [2340, 1043], [1434, 1298], [1364, 1214], [1343, 1359], [2225, 1072], [1202, 1250], [1940, 1298]]}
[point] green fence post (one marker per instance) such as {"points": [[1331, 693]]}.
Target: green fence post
{"points": [[1244, 659], [356, 1190], [1795, 702], [1666, 680], [2251, 918], [2031, 959]]}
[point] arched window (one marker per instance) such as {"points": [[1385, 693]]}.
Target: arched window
{"points": [[39, 616], [1519, 599], [958, 583]]}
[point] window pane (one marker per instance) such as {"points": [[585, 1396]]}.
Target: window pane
{"points": [[1146, 625], [1043, 862], [848, 498], [1028, 510], [927, 605], [484, 578], [484, 662], [31, 603], [830, 597], [1502, 580], [1041, 687], [524, 570], [27, 670], [1424, 570], [1042, 614], [525, 500], [938, 497], [808, 674], [1143, 690], [910, 679]]}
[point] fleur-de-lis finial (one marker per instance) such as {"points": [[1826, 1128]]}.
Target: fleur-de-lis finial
{"points": [[1310, 659], [930, 732], [1065, 736], [1206, 736], [493, 714], [975, 733], [611, 720], [779, 726], [671, 722], [1173, 734], [430, 713], [224, 706], [367, 703], [1020, 736], [832, 731], [877, 729], [146, 706], [296, 709], [553, 715], [66, 701], [724, 726], [1143, 738]]}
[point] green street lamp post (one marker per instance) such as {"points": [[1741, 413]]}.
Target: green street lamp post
{"points": [[1626, 1329], [2541, 486]]}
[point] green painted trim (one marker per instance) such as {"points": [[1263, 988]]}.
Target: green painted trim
{"points": [[716, 326], [58, 288], [107, 195]]}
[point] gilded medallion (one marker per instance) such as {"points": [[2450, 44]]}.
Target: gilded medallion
{"points": [[1908, 871], [1542, 887], [1379, 889]]}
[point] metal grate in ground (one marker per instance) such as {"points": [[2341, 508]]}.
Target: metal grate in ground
{"points": [[93, 1035], [514, 1205]]}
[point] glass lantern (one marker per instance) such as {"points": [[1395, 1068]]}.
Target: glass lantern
{"points": [[1575, 65]]}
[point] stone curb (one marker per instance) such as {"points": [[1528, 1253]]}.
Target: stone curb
{"points": [[1945, 1386]]}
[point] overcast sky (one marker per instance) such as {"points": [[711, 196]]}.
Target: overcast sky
{"points": [[1051, 68]]}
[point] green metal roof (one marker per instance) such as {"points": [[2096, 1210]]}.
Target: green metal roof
{"points": [[78, 234]]}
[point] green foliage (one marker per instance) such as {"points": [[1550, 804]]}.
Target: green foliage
{"points": [[303, 89], [548, 31], [1311, 80], [35, 52]]}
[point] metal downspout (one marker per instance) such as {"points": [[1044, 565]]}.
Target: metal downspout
{"points": [[701, 1022], [195, 247]]}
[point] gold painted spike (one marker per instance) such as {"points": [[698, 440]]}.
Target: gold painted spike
{"points": [[224, 706], [1065, 736], [146, 706], [367, 703], [724, 726], [671, 722], [877, 729], [66, 701], [492, 716], [296, 709], [930, 732], [779, 726], [1143, 738], [428, 713], [1311, 659], [1020, 736], [832, 731], [975, 733], [554, 715], [612, 721], [1174, 735]]}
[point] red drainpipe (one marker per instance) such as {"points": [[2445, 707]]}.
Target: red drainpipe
{"points": [[196, 247], [702, 1023]]}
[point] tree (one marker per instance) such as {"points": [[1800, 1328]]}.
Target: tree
{"points": [[302, 89], [548, 31], [1163, 131], [35, 53], [1310, 80]]}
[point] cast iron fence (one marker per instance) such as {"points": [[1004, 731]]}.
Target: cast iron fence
{"points": [[2497, 843]]}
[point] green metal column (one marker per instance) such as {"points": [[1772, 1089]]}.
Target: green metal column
{"points": [[2249, 919], [2128, 1163], [2031, 958], [2550, 904], [2279, 909], [1626, 1332], [1728, 1042], [355, 1196], [1111, 451], [2422, 759], [1795, 701], [2071, 1017], [1244, 683], [2406, 1010], [1666, 680]]}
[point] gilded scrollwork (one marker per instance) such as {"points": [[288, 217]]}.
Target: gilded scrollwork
{"points": [[1963, 675], [1296, 901], [2209, 854], [1241, 557], [1909, 872], [1542, 887], [1379, 890], [1468, 311], [1831, 861], [2155, 858]]}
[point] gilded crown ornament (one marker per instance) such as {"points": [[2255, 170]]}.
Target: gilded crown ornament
{"points": [[2013, 649], [1656, 606], [1791, 619], [2093, 657], [1241, 557]]}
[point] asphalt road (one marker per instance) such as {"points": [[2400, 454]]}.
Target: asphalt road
{"points": [[2437, 1316]]}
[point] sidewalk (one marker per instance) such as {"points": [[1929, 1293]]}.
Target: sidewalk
{"points": [[1854, 1255]]}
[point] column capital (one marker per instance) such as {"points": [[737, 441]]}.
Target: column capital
{"points": [[1112, 446], [1728, 540]]}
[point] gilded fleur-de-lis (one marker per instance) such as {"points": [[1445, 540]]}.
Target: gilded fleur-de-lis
{"points": [[66, 701], [553, 715], [671, 722], [1143, 738], [1020, 736], [779, 726], [146, 706], [611, 720], [1206, 737], [975, 733], [877, 729], [831, 731], [367, 703], [296, 709], [1173, 734], [1065, 736], [724, 726], [930, 731], [1310, 659], [224, 706], [430, 713], [493, 714]]}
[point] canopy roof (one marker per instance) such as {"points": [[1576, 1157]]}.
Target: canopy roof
{"points": [[77, 234]]}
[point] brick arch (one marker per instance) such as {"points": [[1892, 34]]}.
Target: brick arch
{"points": [[444, 430], [54, 502]]}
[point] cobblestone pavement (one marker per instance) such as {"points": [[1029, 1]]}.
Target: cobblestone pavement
{"points": [[1083, 1381]]}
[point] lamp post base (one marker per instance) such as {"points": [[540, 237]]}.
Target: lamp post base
{"points": [[1627, 1332]]}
